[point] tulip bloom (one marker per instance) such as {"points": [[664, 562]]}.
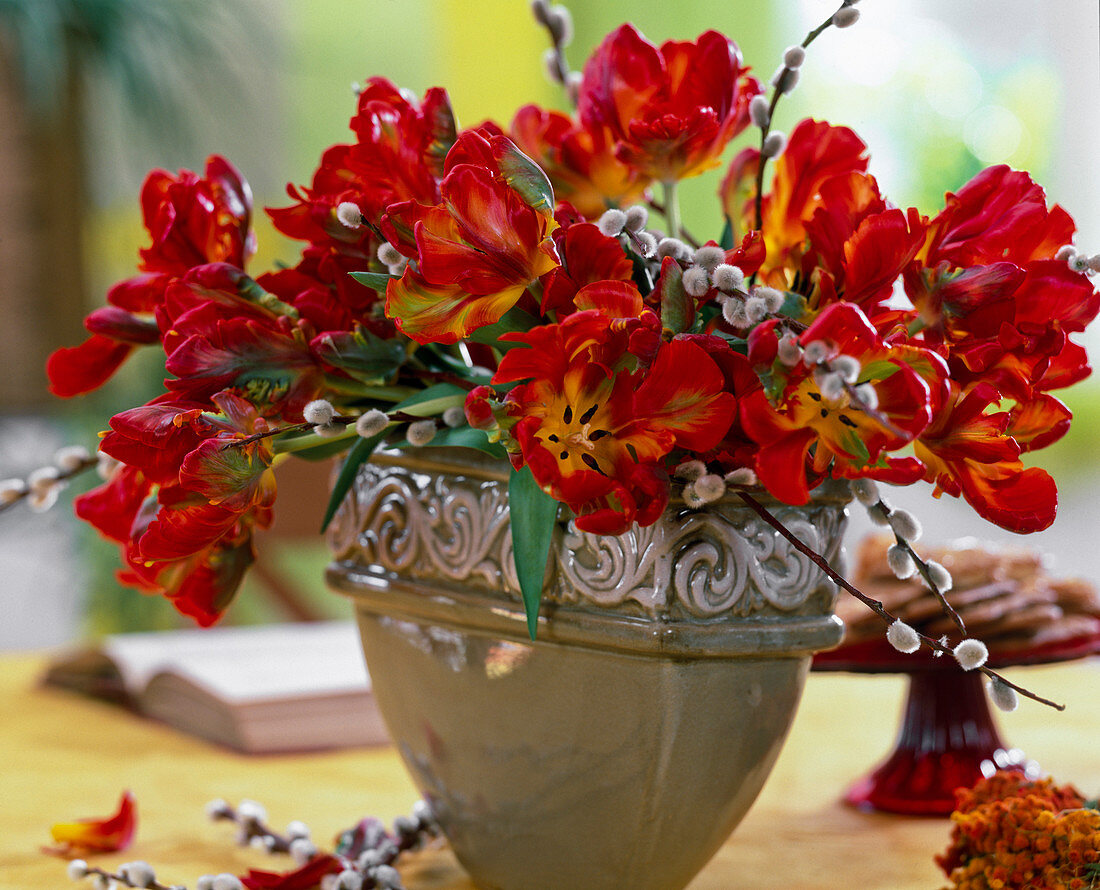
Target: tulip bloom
{"points": [[398, 156], [305, 877], [186, 499], [476, 252], [970, 452], [587, 256], [594, 426], [1001, 214], [829, 235], [579, 160], [671, 110], [804, 434], [226, 333], [192, 220], [989, 289]]}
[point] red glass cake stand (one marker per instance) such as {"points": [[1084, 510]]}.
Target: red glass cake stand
{"points": [[948, 737]]}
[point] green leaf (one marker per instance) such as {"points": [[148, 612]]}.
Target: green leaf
{"points": [[374, 280], [726, 241], [464, 437], [358, 455], [794, 305], [737, 344], [361, 354], [856, 447], [640, 273], [533, 514], [527, 179], [432, 357], [677, 308], [434, 400], [251, 290], [877, 371], [513, 321]]}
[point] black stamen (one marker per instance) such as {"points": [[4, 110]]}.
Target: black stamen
{"points": [[599, 434], [824, 412], [568, 415], [815, 396], [587, 416], [847, 421], [553, 438], [591, 461], [564, 455]]}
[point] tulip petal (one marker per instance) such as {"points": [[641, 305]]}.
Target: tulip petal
{"points": [[104, 835]]}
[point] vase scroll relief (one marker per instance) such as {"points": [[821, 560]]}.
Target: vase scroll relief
{"points": [[724, 561]]}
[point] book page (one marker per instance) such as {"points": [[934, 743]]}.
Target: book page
{"points": [[248, 663]]}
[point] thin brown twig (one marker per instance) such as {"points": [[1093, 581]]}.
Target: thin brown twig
{"points": [[922, 567], [276, 431], [873, 604], [766, 129], [252, 828], [120, 879]]}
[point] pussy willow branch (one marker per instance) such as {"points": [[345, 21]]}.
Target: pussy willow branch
{"points": [[885, 510], [63, 476], [276, 431], [766, 129], [562, 72], [672, 206], [252, 828], [873, 604], [346, 419], [120, 880]]}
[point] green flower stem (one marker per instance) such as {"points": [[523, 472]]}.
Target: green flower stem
{"points": [[304, 443], [672, 209]]}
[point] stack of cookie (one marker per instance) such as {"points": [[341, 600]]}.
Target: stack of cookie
{"points": [[1006, 598]]}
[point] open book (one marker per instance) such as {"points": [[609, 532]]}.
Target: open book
{"points": [[269, 689]]}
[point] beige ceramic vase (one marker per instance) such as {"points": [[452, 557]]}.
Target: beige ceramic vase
{"points": [[620, 750]]}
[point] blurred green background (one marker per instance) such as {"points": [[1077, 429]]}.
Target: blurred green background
{"points": [[93, 93]]}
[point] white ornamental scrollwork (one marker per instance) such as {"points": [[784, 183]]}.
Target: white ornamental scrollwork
{"points": [[708, 562], [343, 531], [432, 526], [784, 576], [388, 534], [703, 563], [463, 530], [609, 570], [711, 566]]}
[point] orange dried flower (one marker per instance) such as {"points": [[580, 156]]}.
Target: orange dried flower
{"points": [[1010, 832]]}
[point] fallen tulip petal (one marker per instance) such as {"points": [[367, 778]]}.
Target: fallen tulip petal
{"points": [[306, 877], [97, 835]]}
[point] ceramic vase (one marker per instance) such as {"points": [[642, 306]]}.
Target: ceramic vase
{"points": [[621, 747]]}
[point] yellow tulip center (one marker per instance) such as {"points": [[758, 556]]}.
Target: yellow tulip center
{"points": [[583, 438]]}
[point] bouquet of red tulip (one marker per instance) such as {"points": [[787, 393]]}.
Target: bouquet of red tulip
{"points": [[530, 291]]}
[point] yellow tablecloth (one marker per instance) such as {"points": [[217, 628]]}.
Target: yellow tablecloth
{"points": [[62, 757]]}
